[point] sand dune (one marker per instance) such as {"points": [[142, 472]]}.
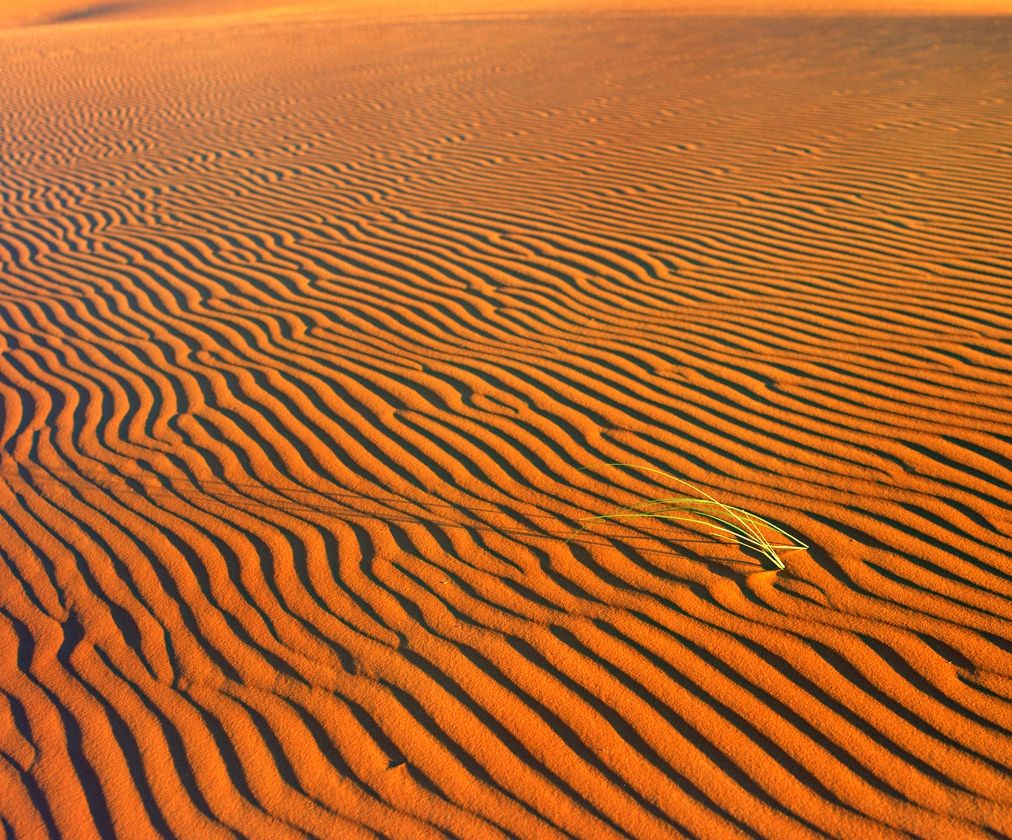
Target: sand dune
{"points": [[317, 337], [17, 13]]}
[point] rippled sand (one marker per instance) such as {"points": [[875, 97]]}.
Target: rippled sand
{"points": [[316, 337]]}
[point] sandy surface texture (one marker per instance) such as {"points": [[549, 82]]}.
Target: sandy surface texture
{"points": [[14, 13], [317, 339]]}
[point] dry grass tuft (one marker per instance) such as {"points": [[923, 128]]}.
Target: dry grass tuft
{"points": [[724, 521]]}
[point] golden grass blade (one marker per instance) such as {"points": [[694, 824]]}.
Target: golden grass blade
{"points": [[724, 521], [737, 533], [745, 524], [714, 528]]}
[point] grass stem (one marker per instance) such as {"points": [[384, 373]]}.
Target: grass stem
{"points": [[724, 521]]}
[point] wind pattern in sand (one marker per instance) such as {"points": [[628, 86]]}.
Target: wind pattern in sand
{"points": [[316, 337]]}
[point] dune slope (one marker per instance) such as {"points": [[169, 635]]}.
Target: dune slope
{"points": [[317, 337]]}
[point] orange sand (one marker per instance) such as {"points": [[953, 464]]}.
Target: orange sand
{"points": [[34, 12], [310, 329]]}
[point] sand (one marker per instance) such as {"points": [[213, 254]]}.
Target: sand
{"points": [[317, 336]]}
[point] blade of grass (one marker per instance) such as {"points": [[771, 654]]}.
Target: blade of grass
{"points": [[745, 524], [722, 519]]}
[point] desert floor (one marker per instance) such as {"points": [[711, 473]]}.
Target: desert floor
{"points": [[318, 336]]}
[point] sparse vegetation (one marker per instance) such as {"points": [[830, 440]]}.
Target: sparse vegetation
{"points": [[724, 521]]}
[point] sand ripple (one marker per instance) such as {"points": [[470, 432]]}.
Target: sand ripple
{"points": [[316, 338]]}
